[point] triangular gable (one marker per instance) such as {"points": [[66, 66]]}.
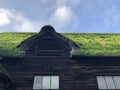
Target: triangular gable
{"points": [[47, 40]]}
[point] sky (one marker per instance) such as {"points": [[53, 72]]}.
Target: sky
{"points": [[80, 16]]}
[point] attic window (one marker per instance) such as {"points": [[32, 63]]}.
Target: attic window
{"points": [[46, 82], [108, 82], [49, 47], [49, 44]]}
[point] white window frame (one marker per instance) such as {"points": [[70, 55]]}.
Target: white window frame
{"points": [[108, 82], [46, 83]]}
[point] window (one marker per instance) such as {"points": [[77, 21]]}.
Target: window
{"points": [[108, 82], [48, 47], [46, 82]]}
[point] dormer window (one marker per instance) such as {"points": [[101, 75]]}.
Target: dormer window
{"points": [[48, 47]]}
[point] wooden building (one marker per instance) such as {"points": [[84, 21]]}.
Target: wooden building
{"points": [[49, 65]]}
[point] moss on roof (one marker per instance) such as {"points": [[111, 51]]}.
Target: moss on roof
{"points": [[91, 44]]}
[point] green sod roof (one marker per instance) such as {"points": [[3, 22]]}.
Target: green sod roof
{"points": [[91, 44]]}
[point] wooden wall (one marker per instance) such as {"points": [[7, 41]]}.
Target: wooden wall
{"points": [[23, 71], [86, 68], [76, 73]]}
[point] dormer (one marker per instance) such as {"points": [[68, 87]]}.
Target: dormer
{"points": [[47, 43]]}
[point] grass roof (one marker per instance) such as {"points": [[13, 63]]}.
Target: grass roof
{"points": [[91, 44]]}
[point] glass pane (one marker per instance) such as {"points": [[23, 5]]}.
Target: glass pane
{"points": [[101, 82], [117, 81], [37, 82], [54, 82], [46, 82], [110, 82]]}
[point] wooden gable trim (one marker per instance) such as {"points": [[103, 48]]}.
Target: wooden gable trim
{"points": [[48, 32]]}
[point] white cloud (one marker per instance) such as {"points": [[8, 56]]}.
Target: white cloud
{"points": [[60, 14], [17, 21], [64, 15], [4, 20], [61, 17]]}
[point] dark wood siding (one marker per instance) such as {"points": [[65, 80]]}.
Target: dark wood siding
{"points": [[76, 73]]}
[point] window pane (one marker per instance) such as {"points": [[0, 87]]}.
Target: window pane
{"points": [[101, 82], [117, 81], [46, 82], [37, 82], [54, 82], [110, 82]]}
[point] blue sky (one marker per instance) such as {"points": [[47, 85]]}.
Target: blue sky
{"points": [[82, 16]]}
